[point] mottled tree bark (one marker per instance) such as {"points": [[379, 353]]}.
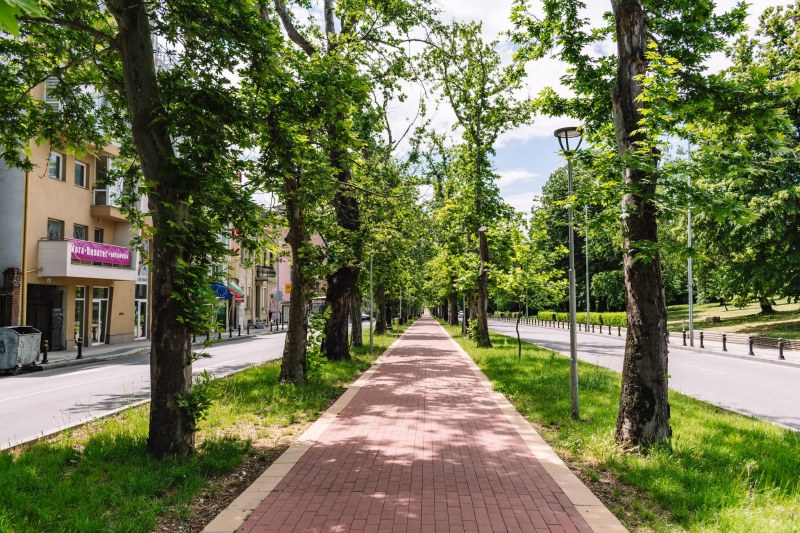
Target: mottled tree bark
{"points": [[356, 335], [452, 301], [482, 324], [170, 346], [380, 309], [293, 363], [643, 417], [342, 282]]}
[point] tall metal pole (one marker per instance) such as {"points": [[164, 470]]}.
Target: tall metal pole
{"points": [[370, 304], [690, 277], [573, 322], [586, 221], [564, 135]]}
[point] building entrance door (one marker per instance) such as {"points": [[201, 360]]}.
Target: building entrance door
{"points": [[100, 297], [45, 312], [140, 319]]}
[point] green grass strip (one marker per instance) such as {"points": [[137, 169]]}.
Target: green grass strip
{"points": [[724, 471], [98, 478]]}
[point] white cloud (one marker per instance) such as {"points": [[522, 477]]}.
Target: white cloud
{"points": [[515, 175], [521, 202]]}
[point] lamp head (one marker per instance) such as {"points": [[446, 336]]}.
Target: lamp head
{"points": [[482, 229], [565, 134]]}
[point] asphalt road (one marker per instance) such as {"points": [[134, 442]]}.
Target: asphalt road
{"points": [[754, 388], [40, 403]]}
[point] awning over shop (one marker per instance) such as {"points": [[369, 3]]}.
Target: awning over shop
{"points": [[221, 290]]}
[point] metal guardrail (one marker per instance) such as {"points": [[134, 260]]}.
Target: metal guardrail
{"points": [[752, 341]]}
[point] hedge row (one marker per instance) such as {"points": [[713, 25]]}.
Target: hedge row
{"points": [[602, 319]]}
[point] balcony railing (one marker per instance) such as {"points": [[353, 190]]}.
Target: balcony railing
{"points": [[265, 273]]}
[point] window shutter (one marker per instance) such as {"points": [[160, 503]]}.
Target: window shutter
{"points": [[49, 97]]}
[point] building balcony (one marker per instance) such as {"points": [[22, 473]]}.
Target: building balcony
{"points": [[265, 273], [103, 206], [73, 258]]}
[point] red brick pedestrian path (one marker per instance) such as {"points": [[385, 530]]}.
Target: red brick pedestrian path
{"points": [[423, 446]]}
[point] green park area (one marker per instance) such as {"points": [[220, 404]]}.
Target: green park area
{"points": [[783, 322]]}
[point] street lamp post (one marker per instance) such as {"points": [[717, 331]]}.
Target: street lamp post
{"points": [[586, 221], [689, 244], [370, 304], [564, 135]]}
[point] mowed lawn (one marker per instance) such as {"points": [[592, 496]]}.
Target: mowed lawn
{"points": [[784, 322], [723, 471]]}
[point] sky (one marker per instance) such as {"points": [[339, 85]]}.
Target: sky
{"points": [[527, 155]]}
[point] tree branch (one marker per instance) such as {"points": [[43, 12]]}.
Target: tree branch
{"points": [[291, 30], [75, 25], [330, 27]]}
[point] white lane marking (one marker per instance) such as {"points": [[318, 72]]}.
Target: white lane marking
{"points": [[90, 370], [218, 364], [706, 369], [72, 385]]}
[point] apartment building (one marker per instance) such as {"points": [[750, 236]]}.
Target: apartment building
{"points": [[67, 267]]}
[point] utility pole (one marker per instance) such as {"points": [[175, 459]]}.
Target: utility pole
{"points": [[689, 244]]}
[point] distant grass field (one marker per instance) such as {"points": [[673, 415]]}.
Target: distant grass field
{"points": [[785, 322], [724, 472]]}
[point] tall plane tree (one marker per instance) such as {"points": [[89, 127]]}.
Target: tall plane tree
{"points": [[353, 37], [178, 123], [480, 91], [686, 32]]}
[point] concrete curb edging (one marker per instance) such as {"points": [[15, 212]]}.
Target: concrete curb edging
{"points": [[695, 349], [232, 517], [591, 508]]}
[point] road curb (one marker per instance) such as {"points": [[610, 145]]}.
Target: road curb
{"points": [[706, 351]]}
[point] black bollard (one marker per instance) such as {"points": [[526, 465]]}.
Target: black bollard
{"points": [[619, 331], [248, 329], [208, 336], [194, 338], [240, 331], [701, 340], [230, 332], [780, 349], [609, 329], [44, 346], [750, 344], [592, 328], [724, 342], [219, 334], [684, 337]]}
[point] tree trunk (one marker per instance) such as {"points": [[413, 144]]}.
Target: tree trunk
{"points": [[342, 282], [444, 312], [766, 306], [380, 310], [356, 336], [452, 300], [293, 362], [482, 326], [643, 417], [170, 357]]}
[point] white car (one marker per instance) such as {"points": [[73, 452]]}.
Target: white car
{"points": [[461, 315]]}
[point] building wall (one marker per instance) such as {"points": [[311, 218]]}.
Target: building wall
{"points": [[12, 184]]}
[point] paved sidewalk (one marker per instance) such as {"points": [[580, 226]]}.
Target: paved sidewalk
{"points": [[419, 444], [105, 352]]}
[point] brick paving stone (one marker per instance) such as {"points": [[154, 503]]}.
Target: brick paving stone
{"points": [[421, 447]]}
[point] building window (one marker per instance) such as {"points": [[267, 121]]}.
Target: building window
{"points": [[80, 174], [98, 235], [55, 168], [55, 229], [80, 232], [248, 305]]}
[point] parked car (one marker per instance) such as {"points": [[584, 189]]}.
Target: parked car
{"points": [[461, 315], [364, 316]]}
